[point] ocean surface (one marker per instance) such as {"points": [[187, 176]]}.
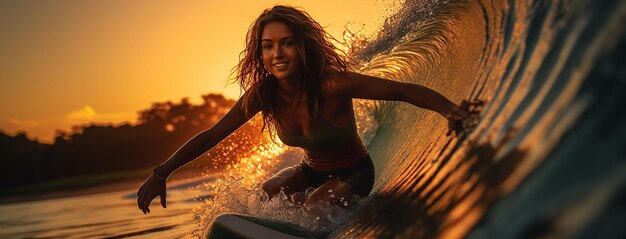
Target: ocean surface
{"points": [[545, 157]]}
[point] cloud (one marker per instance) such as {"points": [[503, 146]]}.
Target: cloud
{"points": [[14, 122], [43, 127], [34, 129], [86, 112], [89, 114], [117, 116]]}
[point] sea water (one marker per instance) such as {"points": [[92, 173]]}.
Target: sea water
{"points": [[546, 155]]}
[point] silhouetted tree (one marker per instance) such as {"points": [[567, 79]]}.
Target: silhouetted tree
{"points": [[105, 148]]}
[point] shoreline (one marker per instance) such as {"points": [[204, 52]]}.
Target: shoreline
{"points": [[124, 185]]}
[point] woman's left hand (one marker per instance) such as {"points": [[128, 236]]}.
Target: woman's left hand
{"points": [[459, 114]]}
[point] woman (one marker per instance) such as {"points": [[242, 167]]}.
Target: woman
{"points": [[292, 74]]}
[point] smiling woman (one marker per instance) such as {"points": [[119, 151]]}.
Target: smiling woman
{"points": [[293, 75], [280, 56]]}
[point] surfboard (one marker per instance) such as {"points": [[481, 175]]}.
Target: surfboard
{"points": [[250, 227]]}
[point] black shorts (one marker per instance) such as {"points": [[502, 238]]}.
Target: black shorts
{"points": [[360, 177]]}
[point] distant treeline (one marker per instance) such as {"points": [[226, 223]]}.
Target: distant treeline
{"points": [[99, 149]]}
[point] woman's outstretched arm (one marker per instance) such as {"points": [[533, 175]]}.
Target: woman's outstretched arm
{"points": [[355, 85], [155, 184]]}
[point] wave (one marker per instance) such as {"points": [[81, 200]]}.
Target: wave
{"points": [[549, 147]]}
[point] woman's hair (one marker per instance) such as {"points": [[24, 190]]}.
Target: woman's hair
{"points": [[318, 56]]}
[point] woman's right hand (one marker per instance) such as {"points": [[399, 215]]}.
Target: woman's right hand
{"points": [[151, 188]]}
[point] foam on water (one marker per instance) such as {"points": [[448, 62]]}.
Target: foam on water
{"points": [[233, 197], [233, 192]]}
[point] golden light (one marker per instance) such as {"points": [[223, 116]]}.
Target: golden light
{"points": [[169, 127]]}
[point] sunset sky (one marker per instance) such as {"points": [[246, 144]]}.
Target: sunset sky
{"points": [[68, 62]]}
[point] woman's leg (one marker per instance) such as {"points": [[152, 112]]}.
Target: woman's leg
{"points": [[334, 191], [358, 179], [290, 180]]}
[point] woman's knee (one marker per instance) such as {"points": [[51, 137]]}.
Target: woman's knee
{"points": [[271, 186], [335, 191], [289, 180]]}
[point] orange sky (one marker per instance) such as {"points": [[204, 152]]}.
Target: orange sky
{"points": [[71, 62]]}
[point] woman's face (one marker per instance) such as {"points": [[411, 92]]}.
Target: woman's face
{"points": [[279, 52]]}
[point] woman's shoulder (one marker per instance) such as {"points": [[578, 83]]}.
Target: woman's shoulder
{"points": [[337, 83]]}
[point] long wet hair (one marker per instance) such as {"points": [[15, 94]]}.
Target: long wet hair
{"points": [[318, 56]]}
